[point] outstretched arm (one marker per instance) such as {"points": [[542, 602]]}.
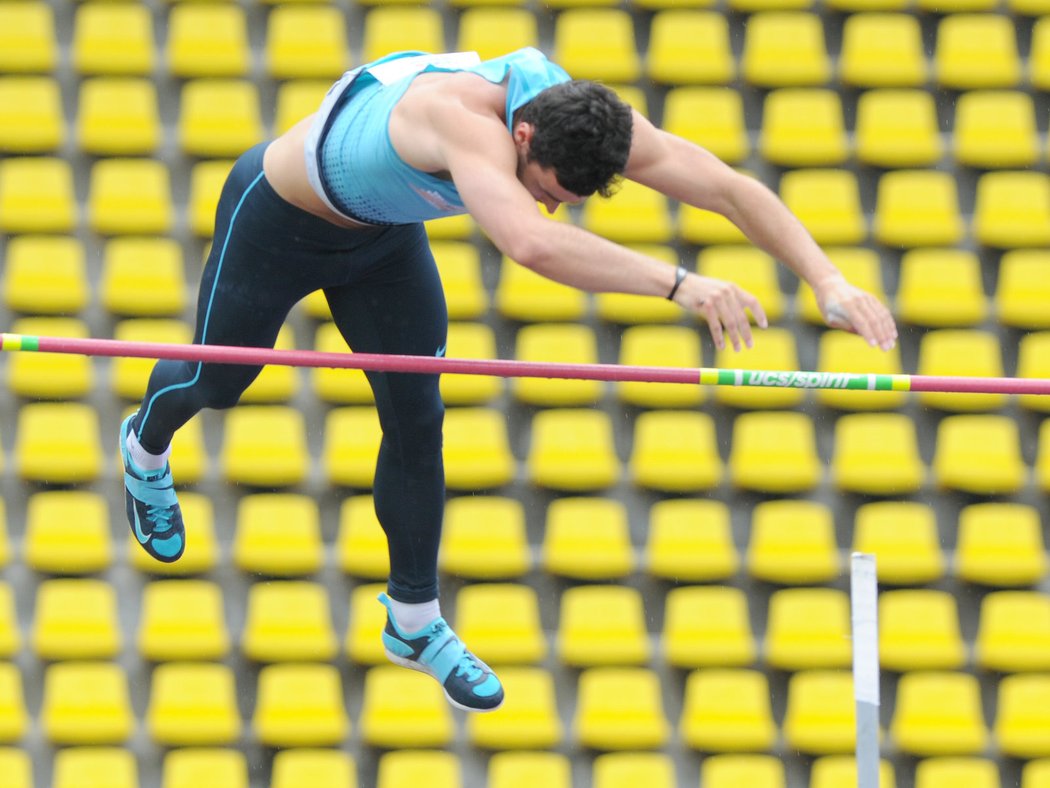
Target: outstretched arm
{"points": [[692, 175]]}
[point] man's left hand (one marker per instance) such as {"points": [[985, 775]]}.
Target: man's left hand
{"points": [[852, 309]]}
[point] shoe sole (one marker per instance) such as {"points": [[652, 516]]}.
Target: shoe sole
{"points": [[411, 664]]}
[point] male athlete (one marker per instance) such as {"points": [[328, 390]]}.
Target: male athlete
{"points": [[338, 204]]}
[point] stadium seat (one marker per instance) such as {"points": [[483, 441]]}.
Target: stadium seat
{"points": [[979, 454], [205, 767], [361, 548], [10, 631], [620, 708], [459, 264], [202, 549], [660, 346], [67, 532], [1022, 716], [367, 619], [562, 343], [902, 535], [528, 718], [587, 539], [113, 39], [477, 449], [635, 214], [1029, 7], [626, 769], [698, 226], [877, 454], [50, 375], [218, 117], [16, 767], [808, 628], [28, 44], [712, 117], [338, 386], [512, 769], [130, 288], [395, 29], [189, 459], [840, 771], [402, 708], [129, 376], [688, 47], [412, 767], [774, 350], [111, 766], [965, 353], [707, 626], [299, 705], [1023, 283], [494, 31], [206, 181], [803, 127], [306, 41], [318, 768], [297, 98], [750, 268], [1013, 632], [118, 116], [452, 228], [1039, 56], [501, 621], [288, 621], [276, 384], [755, 771], [784, 48], [674, 451], [45, 275], [31, 115], [792, 542], [820, 716], [36, 195], [278, 534], [264, 445], [690, 540], [1012, 209], [130, 196], [58, 442], [975, 51], [522, 294], [597, 43], [919, 630], [86, 703], [956, 6], [726, 710], [995, 129], [182, 620], [898, 127], [572, 450], [940, 288], [917, 208], [1033, 361], [602, 625], [208, 40], [860, 266], [14, 717], [484, 538], [774, 452], [1000, 544], [473, 341], [883, 50], [844, 352], [827, 202], [944, 772], [193, 704], [1036, 773], [938, 713], [630, 308], [75, 619]]}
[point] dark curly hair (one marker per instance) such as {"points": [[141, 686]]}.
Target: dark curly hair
{"points": [[582, 131]]}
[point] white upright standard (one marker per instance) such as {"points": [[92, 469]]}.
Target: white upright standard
{"points": [[864, 604]]}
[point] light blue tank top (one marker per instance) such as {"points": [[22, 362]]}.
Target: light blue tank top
{"points": [[361, 172]]}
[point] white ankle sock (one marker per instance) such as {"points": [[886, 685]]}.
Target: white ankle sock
{"points": [[413, 617], [142, 458]]}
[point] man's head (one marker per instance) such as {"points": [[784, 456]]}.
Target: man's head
{"points": [[579, 130]]}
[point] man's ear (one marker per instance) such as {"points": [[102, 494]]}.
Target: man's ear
{"points": [[523, 133]]}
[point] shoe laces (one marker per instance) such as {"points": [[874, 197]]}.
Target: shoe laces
{"points": [[468, 666], [161, 517]]}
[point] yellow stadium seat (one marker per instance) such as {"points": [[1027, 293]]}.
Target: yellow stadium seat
{"points": [[947, 771], [940, 288], [367, 619], [917, 208], [877, 454], [729, 770], [689, 47], [843, 352], [205, 767], [785, 48], [727, 711], [602, 625], [315, 767], [597, 43], [961, 352], [300, 705], [189, 460], [393, 29], [208, 40], [660, 346], [572, 450], [955, 6], [995, 129], [10, 632], [58, 443], [620, 709], [1000, 544], [774, 350], [792, 542], [118, 116], [1036, 773], [840, 771], [219, 117], [1012, 209], [264, 445], [1023, 283], [113, 39], [1013, 632], [484, 538], [361, 544], [50, 375], [28, 44], [493, 31], [129, 288], [501, 621], [903, 537], [67, 532], [305, 41], [808, 628], [206, 181], [36, 195], [626, 769], [513, 769], [820, 717], [193, 704], [750, 268], [690, 540], [477, 449], [979, 454], [411, 767], [278, 534], [774, 452], [976, 51], [45, 275], [16, 767], [473, 341], [5, 543], [698, 226], [919, 630], [14, 717], [338, 386], [1033, 361], [182, 620], [31, 119], [112, 766], [568, 343], [130, 196], [522, 294], [635, 214], [711, 117], [276, 383], [86, 703], [859, 265], [827, 202], [674, 451], [1039, 56], [1029, 7], [402, 708], [451, 228], [898, 127], [707, 626], [938, 713], [460, 267], [76, 619], [883, 50], [587, 539], [528, 718], [749, 6], [297, 98], [803, 127], [631, 308], [288, 621]]}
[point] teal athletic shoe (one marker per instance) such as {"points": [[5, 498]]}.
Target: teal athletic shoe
{"points": [[436, 650], [153, 510]]}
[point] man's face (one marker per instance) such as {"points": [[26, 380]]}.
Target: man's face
{"points": [[541, 182]]}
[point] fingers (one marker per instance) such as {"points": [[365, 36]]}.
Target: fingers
{"points": [[726, 313], [868, 318]]}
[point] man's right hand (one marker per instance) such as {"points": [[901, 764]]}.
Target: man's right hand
{"points": [[724, 305]]}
